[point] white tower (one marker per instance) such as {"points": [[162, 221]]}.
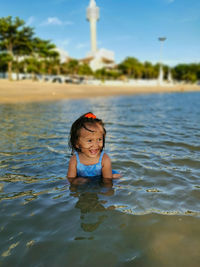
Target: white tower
{"points": [[93, 16]]}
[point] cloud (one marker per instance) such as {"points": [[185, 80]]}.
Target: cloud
{"points": [[55, 21], [62, 43], [30, 21], [82, 45]]}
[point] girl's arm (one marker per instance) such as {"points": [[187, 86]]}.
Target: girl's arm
{"points": [[72, 173], [106, 167]]}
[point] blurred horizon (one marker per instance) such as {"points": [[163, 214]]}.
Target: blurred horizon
{"points": [[129, 29]]}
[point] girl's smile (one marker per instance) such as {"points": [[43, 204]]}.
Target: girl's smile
{"points": [[90, 141]]}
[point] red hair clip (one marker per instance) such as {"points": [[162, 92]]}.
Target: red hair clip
{"points": [[90, 116]]}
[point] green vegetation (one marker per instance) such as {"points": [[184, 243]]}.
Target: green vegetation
{"points": [[17, 42], [187, 72], [21, 51], [133, 68]]}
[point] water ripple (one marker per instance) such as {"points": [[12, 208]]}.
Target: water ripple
{"points": [[153, 141]]}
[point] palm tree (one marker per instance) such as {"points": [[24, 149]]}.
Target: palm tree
{"points": [[32, 66], [13, 34], [131, 66], [84, 69], [4, 59], [149, 71], [73, 66], [23, 47], [45, 52]]}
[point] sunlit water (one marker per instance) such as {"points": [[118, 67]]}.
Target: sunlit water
{"points": [[150, 217]]}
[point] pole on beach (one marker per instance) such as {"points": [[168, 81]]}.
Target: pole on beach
{"points": [[161, 74]]}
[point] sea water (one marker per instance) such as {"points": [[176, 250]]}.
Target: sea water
{"points": [[149, 217]]}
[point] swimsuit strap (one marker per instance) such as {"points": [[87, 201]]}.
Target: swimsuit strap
{"points": [[101, 156], [77, 156], [78, 160]]}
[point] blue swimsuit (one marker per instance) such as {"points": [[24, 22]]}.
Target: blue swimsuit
{"points": [[93, 170], [89, 171]]}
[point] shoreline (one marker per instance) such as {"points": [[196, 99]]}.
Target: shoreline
{"points": [[29, 91]]}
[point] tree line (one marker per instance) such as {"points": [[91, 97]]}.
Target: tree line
{"points": [[23, 52]]}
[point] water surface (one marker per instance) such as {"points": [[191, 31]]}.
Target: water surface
{"points": [[150, 217]]}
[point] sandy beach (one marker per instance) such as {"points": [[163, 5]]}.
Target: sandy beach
{"points": [[28, 91]]}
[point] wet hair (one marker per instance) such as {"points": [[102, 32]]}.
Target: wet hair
{"points": [[80, 123]]}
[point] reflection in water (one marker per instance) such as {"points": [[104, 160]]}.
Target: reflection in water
{"points": [[93, 211], [88, 203]]}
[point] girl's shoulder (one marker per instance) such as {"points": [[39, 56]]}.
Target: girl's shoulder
{"points": [[73, 159], [106, 158], [105, 155]]}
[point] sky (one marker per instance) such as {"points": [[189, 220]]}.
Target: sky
{"points": [[126, 27]]}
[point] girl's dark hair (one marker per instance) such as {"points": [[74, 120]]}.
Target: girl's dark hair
{"points": [[80, 123]]}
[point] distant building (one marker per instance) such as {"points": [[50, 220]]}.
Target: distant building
{"points": [[102, 58], [64, 57]]}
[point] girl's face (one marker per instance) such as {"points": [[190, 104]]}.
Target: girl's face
{"points": [[91, 142]]}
